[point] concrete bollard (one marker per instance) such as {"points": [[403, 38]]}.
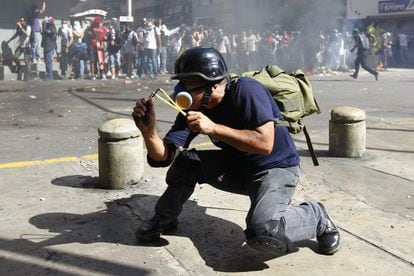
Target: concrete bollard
{"points": [[347, 132], [120, 150]]}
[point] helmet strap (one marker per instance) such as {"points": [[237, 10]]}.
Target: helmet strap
{"points": [[206, 98]]}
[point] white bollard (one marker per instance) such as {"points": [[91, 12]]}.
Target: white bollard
{"points": [[120, 150], [347, 132]]}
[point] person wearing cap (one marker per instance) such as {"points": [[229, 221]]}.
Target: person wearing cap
{"points": [[362, 54], [49, 45], [255, 157]]}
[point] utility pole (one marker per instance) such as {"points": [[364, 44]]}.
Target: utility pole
{"points": [[128, 17], [129, 4]]}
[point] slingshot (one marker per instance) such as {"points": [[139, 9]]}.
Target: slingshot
{"points": [[164, 97]]}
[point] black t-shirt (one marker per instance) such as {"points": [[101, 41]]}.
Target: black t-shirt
{"points": [[114, 43]]}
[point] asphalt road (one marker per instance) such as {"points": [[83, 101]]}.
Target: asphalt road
{"points": [[42, 120], [49, 120]]}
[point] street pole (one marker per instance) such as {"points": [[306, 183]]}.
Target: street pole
{"points": [[129, 4]]}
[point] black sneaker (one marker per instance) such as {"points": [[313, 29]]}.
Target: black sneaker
{"points": [[151, 230], [353, 76], [329, 240], [376, 75]]}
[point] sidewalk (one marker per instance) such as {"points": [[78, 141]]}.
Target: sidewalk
{"points": [[58, 223]]}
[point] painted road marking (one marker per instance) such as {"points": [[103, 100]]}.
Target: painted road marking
{"points": [[66, 159], [48, 161]]}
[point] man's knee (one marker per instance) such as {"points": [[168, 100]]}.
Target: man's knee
{"points": [[269, 237]]}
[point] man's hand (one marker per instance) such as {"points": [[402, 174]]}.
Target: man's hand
{"points": [[144, 115], [198, 122]]}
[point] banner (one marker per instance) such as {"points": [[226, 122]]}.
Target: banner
{"points": [[392, 6]]}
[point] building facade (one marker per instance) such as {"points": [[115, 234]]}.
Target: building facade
{"points": [[393, 15], [245, 14]]}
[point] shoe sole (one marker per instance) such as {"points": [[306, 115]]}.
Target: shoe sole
{"points": [[331, 251], [269, 245], [150, 237]]}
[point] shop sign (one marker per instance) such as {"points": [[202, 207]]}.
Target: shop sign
{"points": [[391, 6]]}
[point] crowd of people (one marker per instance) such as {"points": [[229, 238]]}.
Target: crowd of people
{"points": [[109, 49]]}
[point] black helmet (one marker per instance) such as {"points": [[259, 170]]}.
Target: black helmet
{"points": [[205, 62]]}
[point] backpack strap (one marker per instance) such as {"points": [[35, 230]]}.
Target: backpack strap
{"points": [[310, 147]]}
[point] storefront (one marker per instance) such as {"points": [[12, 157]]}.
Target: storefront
{"points": [[396, 15]]}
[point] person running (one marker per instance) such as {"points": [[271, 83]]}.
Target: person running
{"points": [[361, 43]]}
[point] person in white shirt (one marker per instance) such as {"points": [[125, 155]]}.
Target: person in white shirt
{"points": [[251, 41], [150, 49], [66, 37], [223, 46]]}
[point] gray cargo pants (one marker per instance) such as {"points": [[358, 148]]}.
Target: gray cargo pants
{"points": [[270, 193]]}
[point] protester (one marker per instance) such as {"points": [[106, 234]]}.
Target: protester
{"points": [[163, 43], [187, 38], [335, 50], [386, 50], [78, 51], [224, 46], [251, 45], [362, 53], [23, 31], [255, 157], [174, 50], [36, 25], [403, 47], [97, 34], [129, 42], [114, 52], [66, 37], [157, 47], [49, 45], [150, 49]]}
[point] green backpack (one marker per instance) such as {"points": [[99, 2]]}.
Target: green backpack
{"points": [[293, 95]]}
